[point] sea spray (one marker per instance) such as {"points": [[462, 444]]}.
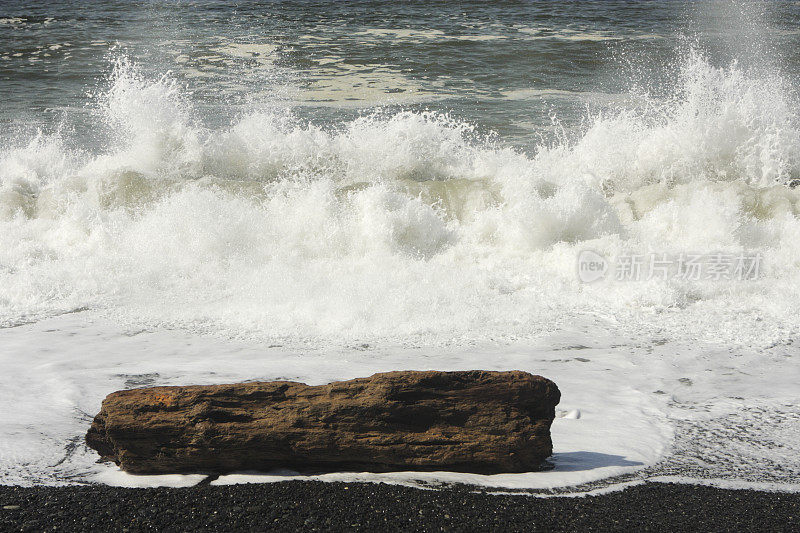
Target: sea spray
{"points": [[405, 225]]}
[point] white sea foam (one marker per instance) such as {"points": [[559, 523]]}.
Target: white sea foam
{"points": [[423, 35], [402, 225], [400, 231]]}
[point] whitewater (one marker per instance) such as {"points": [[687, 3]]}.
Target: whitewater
{"points": [[272, 246]]}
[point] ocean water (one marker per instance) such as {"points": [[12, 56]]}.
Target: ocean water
{"points": [[205, 192]]}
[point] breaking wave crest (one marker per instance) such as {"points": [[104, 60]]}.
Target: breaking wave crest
{"points": [[406, 226]]}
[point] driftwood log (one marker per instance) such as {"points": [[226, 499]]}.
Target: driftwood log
{"points": [[473, 421]]}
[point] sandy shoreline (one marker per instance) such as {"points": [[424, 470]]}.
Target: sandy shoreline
{"points": [[317, 506]]}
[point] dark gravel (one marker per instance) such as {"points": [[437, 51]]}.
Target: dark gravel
{"points": [[317, 506]]}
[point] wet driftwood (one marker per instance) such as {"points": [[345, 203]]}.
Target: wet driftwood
{"points": [[474, 421]]}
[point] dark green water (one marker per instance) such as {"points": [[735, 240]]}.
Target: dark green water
{"points": [[506, 67]]}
